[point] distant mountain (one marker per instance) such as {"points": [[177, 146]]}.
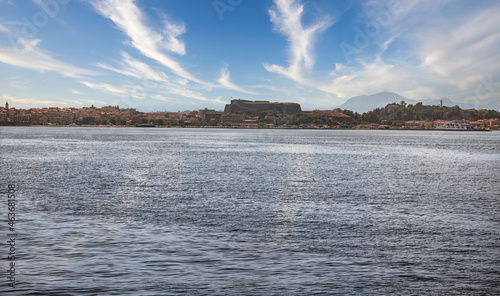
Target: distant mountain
{"points": [[362, 104], [449, 103], [367, 103], [446, 102]]}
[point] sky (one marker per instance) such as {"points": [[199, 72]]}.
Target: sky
{"points": [[175, 55]]}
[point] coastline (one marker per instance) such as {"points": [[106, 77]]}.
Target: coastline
{"points": [[250, 127]]}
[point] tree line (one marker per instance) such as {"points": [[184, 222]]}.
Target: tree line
{"points": [[397, 114]]}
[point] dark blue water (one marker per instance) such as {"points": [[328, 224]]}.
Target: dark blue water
{"points": [[130, 211]]}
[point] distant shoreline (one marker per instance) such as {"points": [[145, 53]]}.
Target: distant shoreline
{"points": [[249, 128]]}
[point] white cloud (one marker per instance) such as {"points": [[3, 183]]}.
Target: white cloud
{"points": [[130, 20], [26, 103], [418, 54], [452, 57], [370, 78], [155, 90], [108, 88], [33, 58], [19, 102], [465, 53], [455, 58], [137, 69], [176, 90], [286, 16], [220, 101], [188, 94], [3, 29], [225, 81], [173, 44]]}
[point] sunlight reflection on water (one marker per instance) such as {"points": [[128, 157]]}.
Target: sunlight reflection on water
{"points": [[257, 212]]}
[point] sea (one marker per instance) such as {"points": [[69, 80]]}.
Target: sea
{"points": [[207, 211]]}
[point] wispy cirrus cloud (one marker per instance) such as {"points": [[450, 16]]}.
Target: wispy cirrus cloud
{"points": [[286, 16], [183, 92], [20, 102], [465, 53], [154, 45], [455, 58], [131, 21], [170, 33], [27, 102], [108, 88], [371, 77], [225, 81], [154, 90], [135, 68], [414, 53], [32, 57]]}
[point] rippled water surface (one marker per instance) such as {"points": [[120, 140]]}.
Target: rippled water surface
{"points": [[130, 211]]}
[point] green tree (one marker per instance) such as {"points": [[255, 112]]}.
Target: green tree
{"points": [[371, 117], [348, 112]]}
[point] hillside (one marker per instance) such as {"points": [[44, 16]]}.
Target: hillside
{"points": [[367, 103]]}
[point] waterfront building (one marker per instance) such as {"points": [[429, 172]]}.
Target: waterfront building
{"points": [[210, 115]]}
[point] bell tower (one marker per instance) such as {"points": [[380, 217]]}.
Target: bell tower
{"points": [[7, 105]]}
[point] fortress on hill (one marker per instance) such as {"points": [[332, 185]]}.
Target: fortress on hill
{"points": [[256, 107]]}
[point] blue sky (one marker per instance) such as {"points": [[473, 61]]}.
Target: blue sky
{"points": [[189, 54]]}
